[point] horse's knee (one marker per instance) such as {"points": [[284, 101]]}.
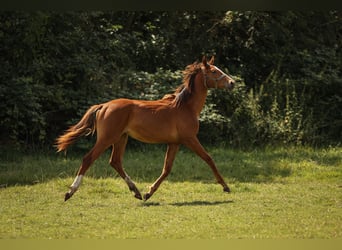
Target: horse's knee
{"points": [[207, 158]]}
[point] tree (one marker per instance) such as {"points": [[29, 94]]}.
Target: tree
{"points": [[55, 65]]}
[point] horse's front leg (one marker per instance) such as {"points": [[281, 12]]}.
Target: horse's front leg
{"points": [[171, 152], [196, 146]]}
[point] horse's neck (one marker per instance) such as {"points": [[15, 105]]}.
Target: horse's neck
{"points": [[199, 95]]}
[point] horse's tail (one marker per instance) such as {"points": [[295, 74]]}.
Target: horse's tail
{"points": [[86, 126]]}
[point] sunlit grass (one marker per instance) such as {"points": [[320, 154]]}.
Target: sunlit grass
{"points": [[276, 193]]}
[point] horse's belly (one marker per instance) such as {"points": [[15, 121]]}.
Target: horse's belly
{"points": [[157, 134], [152, 122]]}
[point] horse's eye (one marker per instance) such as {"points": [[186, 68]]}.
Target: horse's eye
{"points": [[213, 71]]}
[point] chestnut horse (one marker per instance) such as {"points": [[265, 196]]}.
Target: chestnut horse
{"points": [[172, 120]]}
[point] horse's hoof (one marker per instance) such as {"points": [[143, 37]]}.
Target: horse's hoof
{"points": [[67, 196], [147, 196], [138, 196], [226, 189]]}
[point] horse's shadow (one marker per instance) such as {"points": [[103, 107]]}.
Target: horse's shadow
{"points": [[189, 203], [200, 203]]}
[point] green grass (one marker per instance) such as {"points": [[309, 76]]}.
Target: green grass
{"points": [[276, 193]]}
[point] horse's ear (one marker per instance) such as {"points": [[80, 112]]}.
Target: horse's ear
{"points": [[204, 62], [212, 60]]}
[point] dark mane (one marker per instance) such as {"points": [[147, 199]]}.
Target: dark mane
{"points": [[183, 92]]}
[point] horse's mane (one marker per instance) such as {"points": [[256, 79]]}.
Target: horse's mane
{"points": [[183, 92]]}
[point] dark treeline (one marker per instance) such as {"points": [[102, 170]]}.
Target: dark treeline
{"points": [[55, 65]]}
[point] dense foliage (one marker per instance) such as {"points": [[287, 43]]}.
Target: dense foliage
{"points": [[55, 65]]}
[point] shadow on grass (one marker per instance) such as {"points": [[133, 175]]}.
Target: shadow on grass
{"points": [[150, 204], [200, 203], [189, 203]]}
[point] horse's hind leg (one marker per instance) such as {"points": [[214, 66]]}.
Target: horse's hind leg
{"points": [[116, 162], [88, 159]]}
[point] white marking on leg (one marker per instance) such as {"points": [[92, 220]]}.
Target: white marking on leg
{"points": [[77, 182], [128, 180]]}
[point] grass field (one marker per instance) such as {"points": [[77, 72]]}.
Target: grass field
{"points": [[277, 193]]}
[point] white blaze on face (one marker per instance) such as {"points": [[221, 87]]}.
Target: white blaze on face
{"points": [[229, 81], [223, 74]]}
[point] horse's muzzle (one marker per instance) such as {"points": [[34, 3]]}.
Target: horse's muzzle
{"points": [[230, 84]]}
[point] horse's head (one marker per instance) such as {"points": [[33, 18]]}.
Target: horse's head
{"points": [[214, 77]]}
